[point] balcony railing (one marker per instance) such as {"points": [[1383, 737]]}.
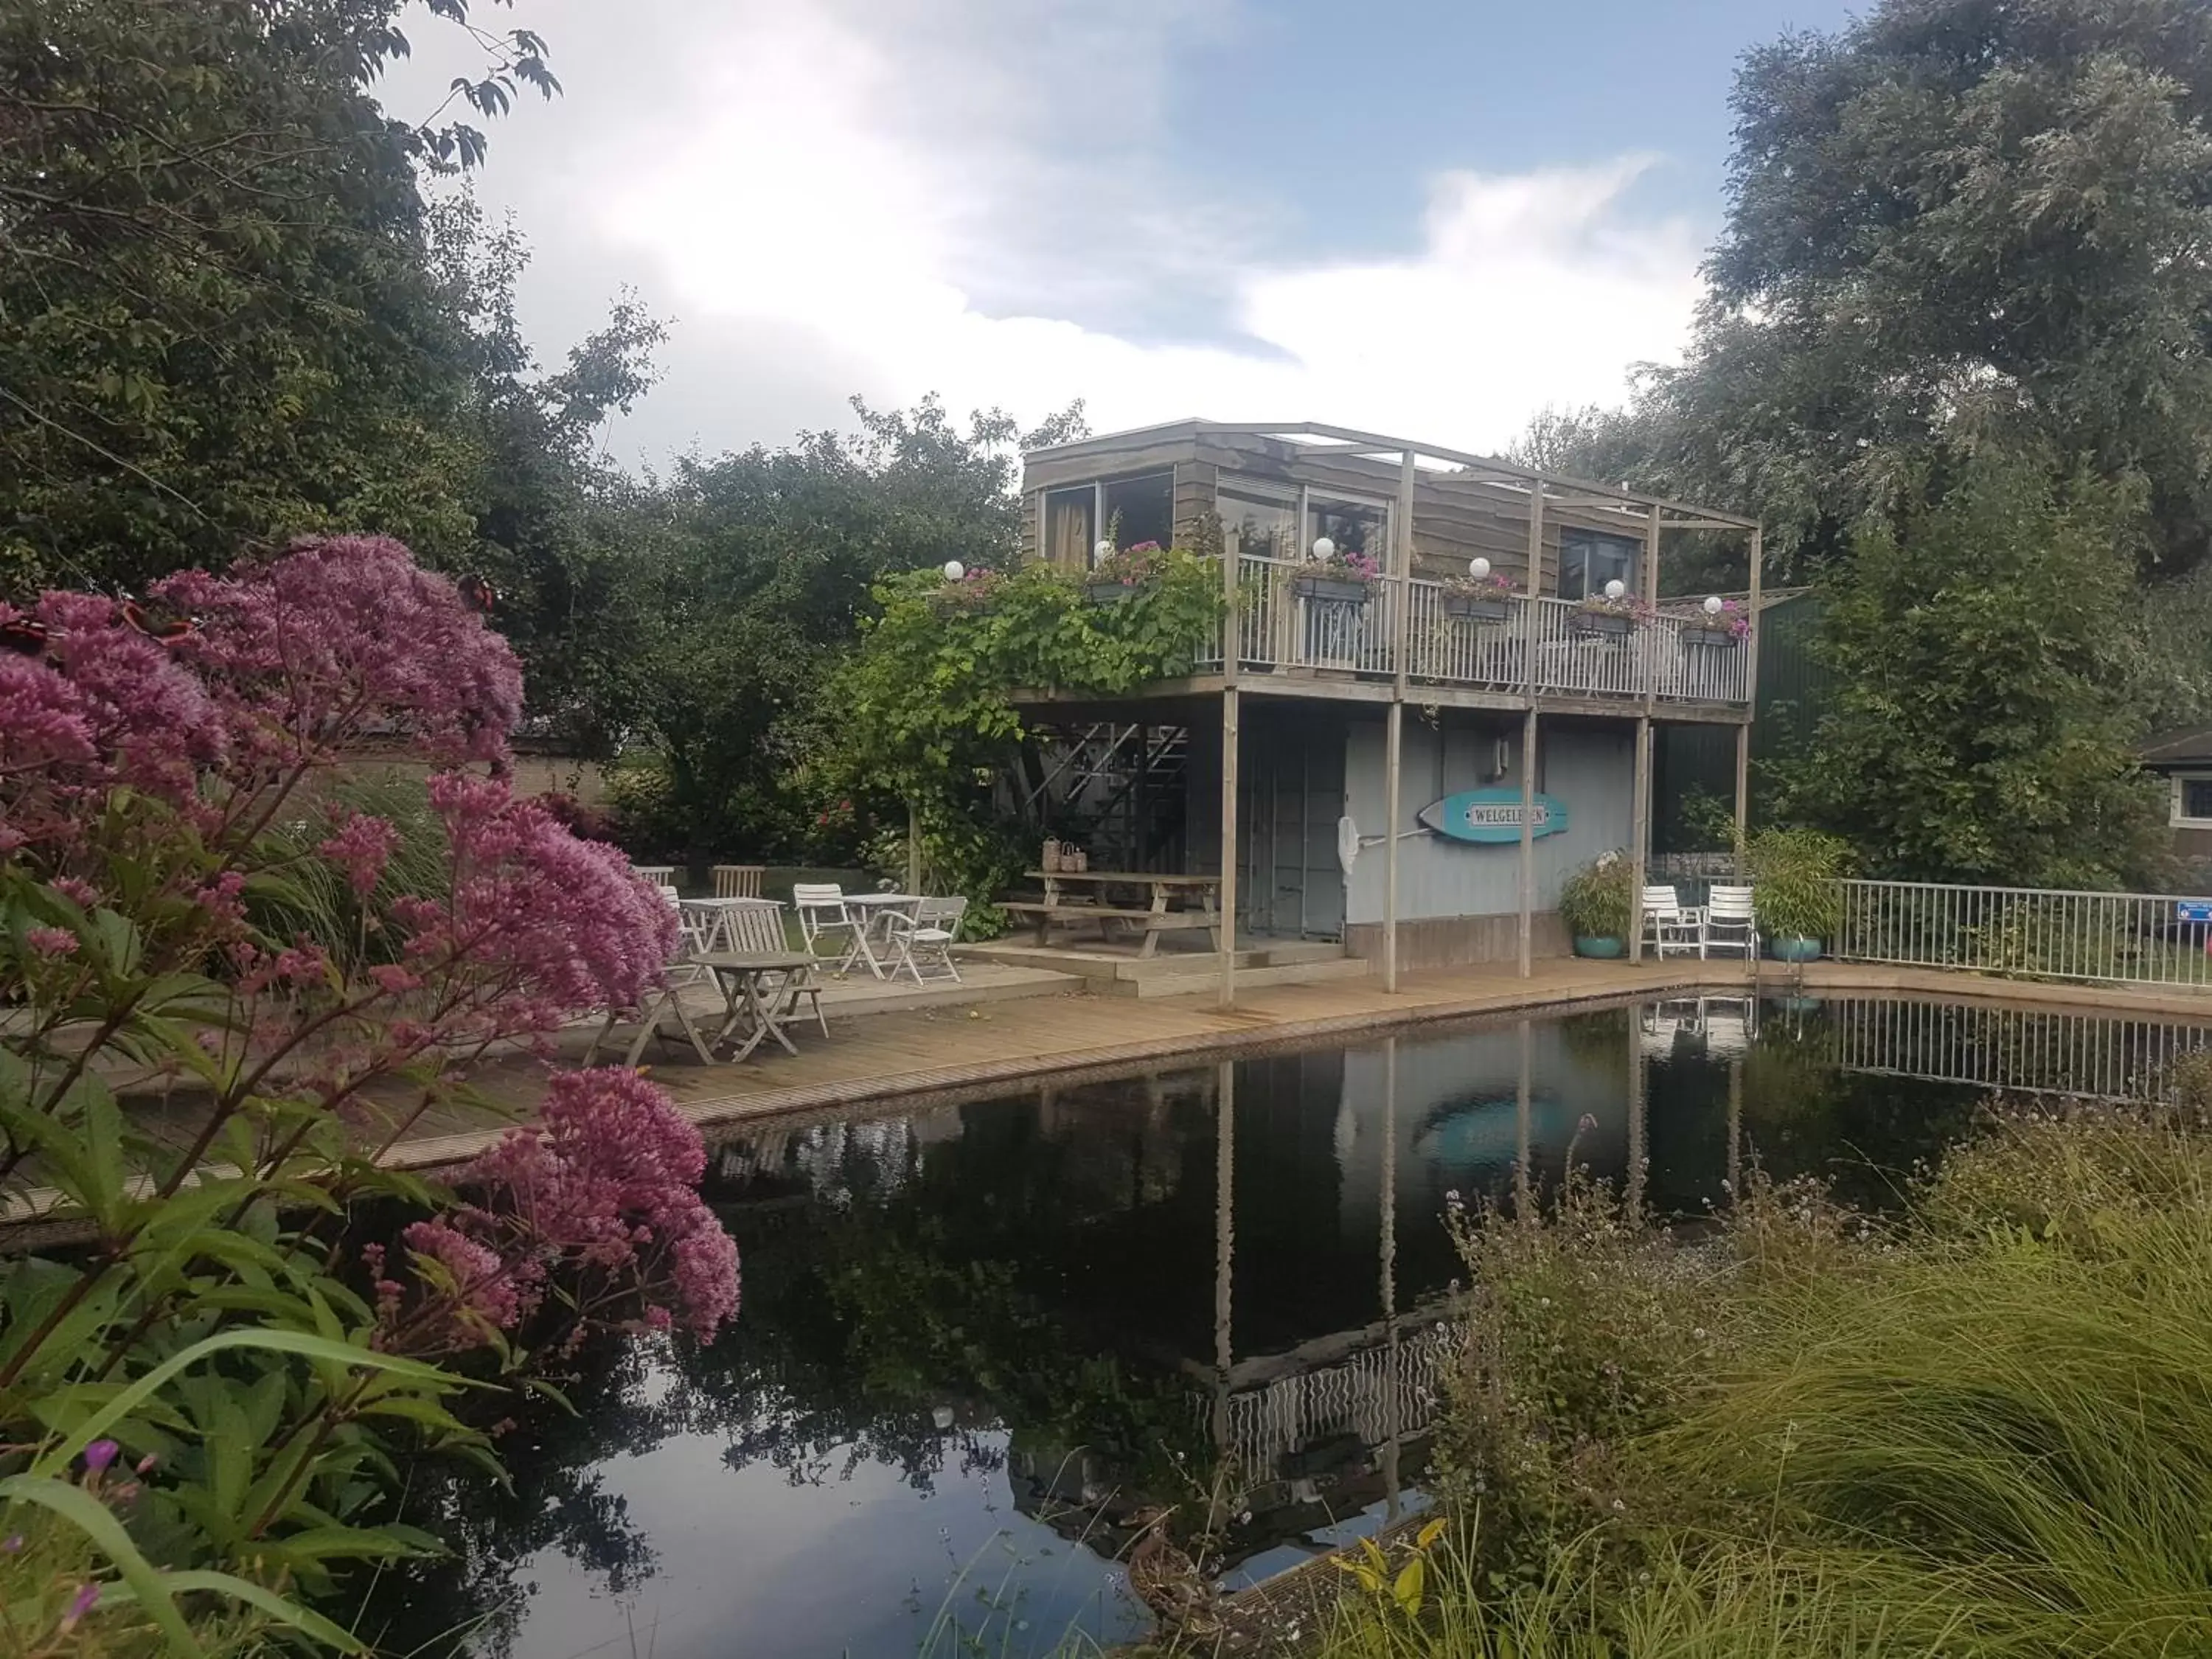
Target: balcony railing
{"points": [[1279, 629]]}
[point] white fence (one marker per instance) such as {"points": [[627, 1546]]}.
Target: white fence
{"points": [[2019, 1050], [1279, 628], [2136, 939]]}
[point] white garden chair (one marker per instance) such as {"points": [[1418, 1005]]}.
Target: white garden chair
{"points": [[679, 971], [1669, 924], [757, 929], [1728, 923], [823, 912], [923, 940]]}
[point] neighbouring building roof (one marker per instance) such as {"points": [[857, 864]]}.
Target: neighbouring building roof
{"points": [[2190, 746]]}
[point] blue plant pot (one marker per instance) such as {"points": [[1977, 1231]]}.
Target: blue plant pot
{"points": [[1794, 950], [1606, 949]]}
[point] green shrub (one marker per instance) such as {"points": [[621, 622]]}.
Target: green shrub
{"points": [[1794, 874], [1598, 900]]}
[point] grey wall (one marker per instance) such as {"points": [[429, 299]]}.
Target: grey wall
{"points": [[1589, 766]]}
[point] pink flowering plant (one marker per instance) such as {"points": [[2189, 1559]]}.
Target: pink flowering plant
{"points": [[233, 975]]}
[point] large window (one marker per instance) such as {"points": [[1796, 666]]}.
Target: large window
{"points": [[1255, 524], [1140, 510], [1129, 512], [2192, 801], [1071, 517], [1355, 526], [1588, 561]]}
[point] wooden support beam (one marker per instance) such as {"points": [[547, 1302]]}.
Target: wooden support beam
{"points": [[1527, 839], [1394, 738], [1228, 847], [1742, 789], [913, 847]]}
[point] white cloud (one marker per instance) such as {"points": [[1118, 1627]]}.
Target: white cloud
{"points": [[963, 196]]}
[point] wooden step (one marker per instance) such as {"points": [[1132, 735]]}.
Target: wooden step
{"points": [[1199, 985]]}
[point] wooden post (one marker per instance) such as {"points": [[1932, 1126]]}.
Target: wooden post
{"points": [[1751, 698], [1401, 560], [1228, 846], [1527, 838], [1743, 791], [1639, 836], [1394, 736], [1534, 588], [913, 847]]}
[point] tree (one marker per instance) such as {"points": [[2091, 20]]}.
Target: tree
{"points": [[217, 326], [760, 567], [1981, 725]]}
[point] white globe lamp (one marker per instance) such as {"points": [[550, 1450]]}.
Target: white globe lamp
{"points": [[1324, 548], [1478, 568], [954, 570], [1104, 550], [1616, 589]]}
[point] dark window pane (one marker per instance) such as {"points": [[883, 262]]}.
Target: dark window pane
{"points": [[1588, 561], [2196, 798], [1141, 510], [1354, 526], [1067, 532]]}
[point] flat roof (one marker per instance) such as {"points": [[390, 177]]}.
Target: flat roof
{"points": [[2190, 746], [1321, 439]]}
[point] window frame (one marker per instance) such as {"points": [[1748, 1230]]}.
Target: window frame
{"points": [[2180, 817], [1289, 497], [1098, 487], [1592, 541]]}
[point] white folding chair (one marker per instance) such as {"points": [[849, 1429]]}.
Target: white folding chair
{"points": [[665, 997], [1728, 923], [1668, 924], [823, 912], [924, 940]]}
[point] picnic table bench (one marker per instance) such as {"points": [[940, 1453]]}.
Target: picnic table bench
{"points": [[1198, 911]]}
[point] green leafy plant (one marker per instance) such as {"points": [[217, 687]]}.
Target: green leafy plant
{"points": [[1598, 900], [1795, 875]]}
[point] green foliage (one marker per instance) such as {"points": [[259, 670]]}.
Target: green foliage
{"points": [[1980, 726], [1598, 900], [1979, 1429], [926, 703], [1794, 874], [217, 320]]}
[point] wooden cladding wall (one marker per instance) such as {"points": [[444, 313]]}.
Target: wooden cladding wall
{"points": [[1455, 517]]}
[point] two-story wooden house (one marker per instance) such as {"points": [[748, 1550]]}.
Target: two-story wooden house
{"points": [[1411, 769]]}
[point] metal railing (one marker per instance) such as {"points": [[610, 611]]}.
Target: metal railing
{"points": [[1558, 649], [2135, 938]]}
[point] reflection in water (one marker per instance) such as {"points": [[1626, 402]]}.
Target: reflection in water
{"points": [[977, 1340]]}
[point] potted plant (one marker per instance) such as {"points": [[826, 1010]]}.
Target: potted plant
{"points": [[1120, 574], [1797, 896], [1598, 904], [1607, 615], [1480, 596], [1718, 626], [1336, 576]]}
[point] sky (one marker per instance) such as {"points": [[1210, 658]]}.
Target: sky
{"points": [[1415, 216]]}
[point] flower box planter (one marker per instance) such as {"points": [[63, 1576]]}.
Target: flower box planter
{"points": [[1332, 590], [1605, 950], [1709, 639], [1468, 607], [1108, 593], [1599, 624]]}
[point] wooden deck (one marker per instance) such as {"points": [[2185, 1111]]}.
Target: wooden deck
{"points": [[973, 1049]]}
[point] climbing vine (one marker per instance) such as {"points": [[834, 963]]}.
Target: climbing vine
{"points": [[925, 705]]}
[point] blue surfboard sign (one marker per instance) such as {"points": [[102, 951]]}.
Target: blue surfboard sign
{"points": [[1491, 815]]}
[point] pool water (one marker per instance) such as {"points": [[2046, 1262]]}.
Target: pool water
{"points": [[977, 1340]]}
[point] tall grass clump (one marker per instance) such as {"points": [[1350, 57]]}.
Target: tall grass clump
{"points": [[1982, 1427]]}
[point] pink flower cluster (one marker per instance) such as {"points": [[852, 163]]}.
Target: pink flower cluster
{"points": [[546, 924], [607, 1185]]}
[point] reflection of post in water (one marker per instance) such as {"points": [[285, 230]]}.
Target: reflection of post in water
{"points": [[1522, 1134], [1392, 1427], [1736, 1129], [1224, 1241], [1632, 1185]]}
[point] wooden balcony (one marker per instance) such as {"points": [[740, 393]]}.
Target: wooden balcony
{"points": [[1536, 646]]}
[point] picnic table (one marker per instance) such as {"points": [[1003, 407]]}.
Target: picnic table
{"points": [[1176, 903], [756, 986]]}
